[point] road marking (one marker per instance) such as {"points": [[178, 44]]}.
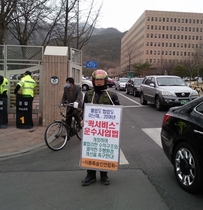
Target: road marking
{"points": [[154, 134], [130, 99], [123, 160]]}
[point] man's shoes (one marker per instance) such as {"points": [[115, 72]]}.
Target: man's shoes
{"points": [[89, 179], [104, 178]]}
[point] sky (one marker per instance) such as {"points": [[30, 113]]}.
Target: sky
{"points": [[122, 14]]}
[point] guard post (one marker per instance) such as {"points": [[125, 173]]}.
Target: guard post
{"points": [[3, 112], [24, 112]]}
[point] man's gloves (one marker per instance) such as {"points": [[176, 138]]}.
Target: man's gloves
{"points": [[61, 105], [75, 105]]}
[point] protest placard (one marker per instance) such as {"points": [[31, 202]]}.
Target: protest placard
{"points": [[101, 137]]}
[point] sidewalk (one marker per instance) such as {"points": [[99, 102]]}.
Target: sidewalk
{"points": [[15, 141]]}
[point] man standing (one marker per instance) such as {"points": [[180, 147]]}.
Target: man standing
{"points": [[99, 95], [72, 94], [3, 86], [27, 85], [24, 101]]}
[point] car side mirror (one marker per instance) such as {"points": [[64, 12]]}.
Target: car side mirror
{"points": [[152, 84]]}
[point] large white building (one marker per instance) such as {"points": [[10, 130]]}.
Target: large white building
{"points": [[162, 38]]}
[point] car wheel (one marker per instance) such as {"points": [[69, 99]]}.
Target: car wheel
{"points": [[158, 104], [135, 93], [142, 100], [187, 168], [126, 91], [85, 87]]}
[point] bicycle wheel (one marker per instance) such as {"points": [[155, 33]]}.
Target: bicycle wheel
{"points": [[78, 131], [56, 135]]}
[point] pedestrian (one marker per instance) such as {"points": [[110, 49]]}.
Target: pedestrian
{"points": [[27, 85], [99, 95], [72, 94], [3, 87]]}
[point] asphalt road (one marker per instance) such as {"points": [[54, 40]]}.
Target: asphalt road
{"points": [[43, 179]]}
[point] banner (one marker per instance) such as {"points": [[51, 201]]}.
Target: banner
{"points": [[101, 137]]}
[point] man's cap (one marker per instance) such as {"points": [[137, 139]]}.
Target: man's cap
{"points": [[28, 73]]}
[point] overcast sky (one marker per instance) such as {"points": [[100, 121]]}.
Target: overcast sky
{"points": [[122, 14]]}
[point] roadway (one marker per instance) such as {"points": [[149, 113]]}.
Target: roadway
{"points": [[43, 179]]}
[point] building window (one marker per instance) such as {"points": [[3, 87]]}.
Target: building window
{"points": [[155, 44], [166, 36], [185, 36], [193, 20], [174, 36], [159, 19], [163, 19], [154, 52], [174, 20], [159, 27], [150, 52], [171, 36], [159, 44], [193, 29], [151, 43], [152, 27], [151, 35], [177, 53], [174, 53], [155, 27], [177, 44], [147, 52], [167, 28], [169, 52], [163, 27], [189, 37], [171, 19], [185, 28], [188, 53], [181, 45], [158, 52], [147, 35], [152, 18], [166, 52], [185, 53], [166, 44], [182, 20], [185, 45], [178, 20], [182, 28], [163, 36], [186, 20], [148, 18], [155, 36], [188, 45], [174, 44], [197, 29], [181, 36], [159, 35], [167, 19], [170, 45], [190, 20], [162, 44], [147, 26], [173, 28], [147, 43], [178, 36]]}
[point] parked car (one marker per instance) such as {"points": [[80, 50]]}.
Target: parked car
{"points": [[86, 84], [110, 82], [182, 142], [165, 91], [133, 86], [120, 83]]}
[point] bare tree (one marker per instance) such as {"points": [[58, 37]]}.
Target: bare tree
{"points": [[6, 9]]}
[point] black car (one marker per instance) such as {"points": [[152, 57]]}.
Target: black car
{"points": [[133, 86], [182, 142]]}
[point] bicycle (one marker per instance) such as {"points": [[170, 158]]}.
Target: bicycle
{"points": [[59, 132]]}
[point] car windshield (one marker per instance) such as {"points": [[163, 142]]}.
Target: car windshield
{"points": [[170, 81], [123, 79], [138, 81]]}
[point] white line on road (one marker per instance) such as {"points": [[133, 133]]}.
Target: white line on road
{"points": [[130, 99], [154, 134], [123, 160]]}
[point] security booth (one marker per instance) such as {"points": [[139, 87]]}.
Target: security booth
{"points": [[24, 112], [3, 111]]}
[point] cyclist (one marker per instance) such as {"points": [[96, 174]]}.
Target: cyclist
{"points": [[99, 96], [72, 94]]}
